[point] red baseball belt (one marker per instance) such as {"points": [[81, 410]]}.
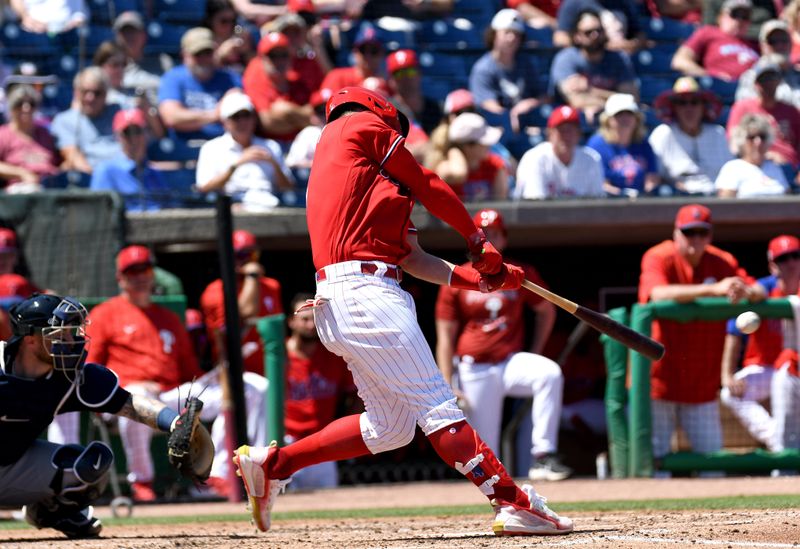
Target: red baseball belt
{"points": [[395, 273]]}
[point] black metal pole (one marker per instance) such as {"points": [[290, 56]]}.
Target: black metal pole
{"points": [[233, 344]]}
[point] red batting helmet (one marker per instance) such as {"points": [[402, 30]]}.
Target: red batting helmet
{"points": [[372, 101], [489, 218]]}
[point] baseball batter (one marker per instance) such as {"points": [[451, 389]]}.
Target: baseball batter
{"points": [[742, 390], [363, 185], [43, 373], [486, 333]]}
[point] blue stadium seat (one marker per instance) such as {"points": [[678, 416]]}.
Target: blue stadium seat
{"points": [[18, 42], [457, 34], [664, 29], [651, 86], [438, 88], [103, 11], [725, 90], [189, 12], [94, 35], [655, 61], [396, 39], [443, 65], [171, 149], [478, 11], [164, 38], [56, 98], [538, 38]]}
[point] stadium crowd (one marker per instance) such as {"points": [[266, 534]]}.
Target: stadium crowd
{"points": [[136, 96], [518, 100]]}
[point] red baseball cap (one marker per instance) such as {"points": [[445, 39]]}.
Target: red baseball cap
{"points": [[133, 255], [244, 240], [781, 245], [693, 216], [193, 319], [458, 100], [14, 285], [127, 118], [296, 6], [271, 41], [8, 240], [401, 59], [563, 115]]}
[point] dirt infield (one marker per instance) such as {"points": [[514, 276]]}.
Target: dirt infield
{"points": [[736, 528]]}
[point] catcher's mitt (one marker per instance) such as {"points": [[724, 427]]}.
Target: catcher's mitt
{"points": [[189, 447]]}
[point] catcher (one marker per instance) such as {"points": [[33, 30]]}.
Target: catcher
{"points": [[43, 373]]}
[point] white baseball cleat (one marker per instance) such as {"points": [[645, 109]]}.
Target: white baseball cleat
{"points": [[539, 520], [261, 491]]}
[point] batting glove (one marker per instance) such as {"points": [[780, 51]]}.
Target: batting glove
{"points": [[484, 256]]}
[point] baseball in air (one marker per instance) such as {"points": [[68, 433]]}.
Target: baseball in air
{"points": [[748, 322]]}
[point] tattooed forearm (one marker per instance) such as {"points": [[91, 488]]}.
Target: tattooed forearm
{"points": [[142, 409]]}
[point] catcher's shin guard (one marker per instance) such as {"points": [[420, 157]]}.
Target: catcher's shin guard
{"points": [[461, 447]]}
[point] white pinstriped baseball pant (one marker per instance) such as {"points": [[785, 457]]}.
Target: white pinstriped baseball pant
{"points": [[371, 323]]}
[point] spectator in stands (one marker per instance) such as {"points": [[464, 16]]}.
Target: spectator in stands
{"points": [[689, 145], [368, 56], [743, 390], [504, 79], [685, 383], [258, 296], [310, 60], [587, 74], [791, 14], [188, 99], [762, 11], [720, 50], [410, 10], [629, 165], [84, 133], [50, 16], [141, 72], [28, 155], [785, 118], [13, 286], [537, 13], [687, 11], [26, 73], [111, 57], [248, 168], [752, 174], [777, 44], [405, 78], [318, 387], [142, 187], [147, 346], [560, 167], [301, 153], [279, 95], [619, 18], [259, 13], [469, 166], [234, 45], [482, 336]]}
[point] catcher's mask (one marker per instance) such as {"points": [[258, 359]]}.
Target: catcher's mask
{"points": [[372, 101], [61, 322]]}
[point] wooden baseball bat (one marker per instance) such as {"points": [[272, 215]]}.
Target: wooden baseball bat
{"points": [[650, 348]]}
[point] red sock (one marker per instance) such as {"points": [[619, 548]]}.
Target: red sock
{"points": [[459, 446], [340, 439]]}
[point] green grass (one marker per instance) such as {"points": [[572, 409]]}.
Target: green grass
{"points": [[697, 504]]}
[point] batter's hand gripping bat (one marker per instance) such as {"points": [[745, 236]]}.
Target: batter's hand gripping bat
{"points": [[650, 348]]}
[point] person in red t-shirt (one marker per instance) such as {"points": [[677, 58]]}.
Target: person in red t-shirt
{"points": [[685, 382], [278, 92], [363, 185], [368, 56], [470, 167], [318, 385], [310, 59], [483, 335], [742, 390], [258, 296], [149, 349], [721, 51]]}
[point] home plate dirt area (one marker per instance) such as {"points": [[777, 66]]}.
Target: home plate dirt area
{"points": [[735, 528]]}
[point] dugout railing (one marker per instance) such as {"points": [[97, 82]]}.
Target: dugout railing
{"points": [[627, 396]]}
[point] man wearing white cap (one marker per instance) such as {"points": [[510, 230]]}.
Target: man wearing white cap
{"points": [[248, 168], [504, 79]]}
